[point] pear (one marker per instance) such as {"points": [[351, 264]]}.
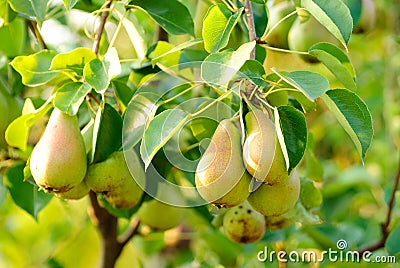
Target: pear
{"points": [[277, 172], [274, 200], [160, 216], [260, 144], [113, 178], [242, 224], [58, 161], [220, 176], [77, 192]]}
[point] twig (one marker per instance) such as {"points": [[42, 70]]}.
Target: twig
{"points": [[129, 233], [100, 29], [250, 25], [385, 226], [34, 29]]}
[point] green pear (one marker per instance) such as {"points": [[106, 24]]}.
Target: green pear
{"points": [[242, 224], [310, 196], [278, 222], [159, 215], [77, 192], [58, 161], [260, 144], [305, 34], [274, 200], [220, 176], [278, 37], [277, 172], [113, 178]]}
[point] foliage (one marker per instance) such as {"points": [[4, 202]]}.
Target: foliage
{"points": [[155, 78]]}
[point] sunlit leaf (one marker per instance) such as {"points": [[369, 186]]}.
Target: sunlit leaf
{"points": [[70, 96], [217, 27], [34, 68], [353, 114], [69, 4], [177, 48], [96, 75], [74, 60], [18, 131], [313, 85]]}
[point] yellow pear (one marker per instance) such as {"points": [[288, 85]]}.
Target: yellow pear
{"points": [[220, 176], [260, 144], [77, 192], [113, 178], [58, 161], [274, 200], [242, 224]]}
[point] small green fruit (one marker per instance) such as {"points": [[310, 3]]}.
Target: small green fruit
{"points": [[368, 17], [279, 36], [58, 161], [77, 192], [242, 224], [305, 34], [278, 222], [220, 176], [277, 199], [160, 216], [310, 196]]}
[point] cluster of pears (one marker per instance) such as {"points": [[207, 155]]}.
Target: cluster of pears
{"points": [[250, 181], [58, 164]]}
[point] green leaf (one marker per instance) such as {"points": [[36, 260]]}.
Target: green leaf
{"points": [[141, 109], [26, 195], [32, 8], [177, 48], [169, 59], [219, 68], [18, 131], [3, 190], [261, 2], [333, 15], [123, 92], [70, 96], [313, 85], [160, 130], [337, 62], [392, 244], [253, 70], [171, 15], [74, 60], [69, 4], [353, 115], [294, 129], [96, 75], [107, 133], [34, 68], [218, 24], [15, 31]]}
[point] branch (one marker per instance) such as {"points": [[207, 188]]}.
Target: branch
{"points": [[250, 25], [34, 29], [100, 29], [385, 226]]}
